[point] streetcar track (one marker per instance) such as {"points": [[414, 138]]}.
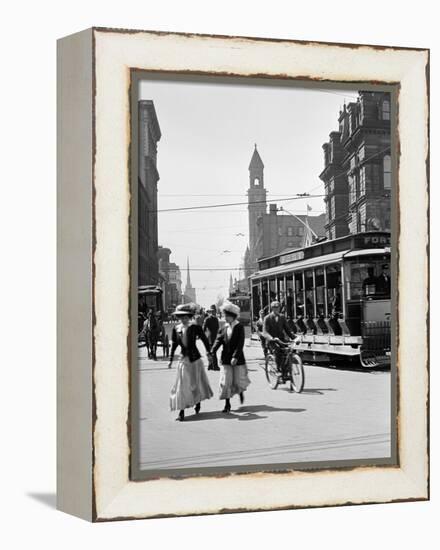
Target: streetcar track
{"points": [[356, 441]]}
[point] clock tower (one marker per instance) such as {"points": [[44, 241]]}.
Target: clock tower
{"points": [[256, 207]]}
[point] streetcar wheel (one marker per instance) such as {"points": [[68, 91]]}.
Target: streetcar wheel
{"points": [[297, 374], [271, 370]]}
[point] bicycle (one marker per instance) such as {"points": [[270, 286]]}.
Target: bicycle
{"points": [[291, 369]]}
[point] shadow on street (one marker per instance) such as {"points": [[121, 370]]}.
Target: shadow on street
{"points": [[248, 412], [317, 391]]}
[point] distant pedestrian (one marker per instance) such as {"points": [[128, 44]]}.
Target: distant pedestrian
{"points": [[234, 377], [192, 384], [211, 327]]}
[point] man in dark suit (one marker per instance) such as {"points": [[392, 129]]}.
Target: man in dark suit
{"points": [[275, 329], [383, 285], [211, 326]]}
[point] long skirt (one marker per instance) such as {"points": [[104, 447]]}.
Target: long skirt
{"points": [[191, 385], [233, 380]]}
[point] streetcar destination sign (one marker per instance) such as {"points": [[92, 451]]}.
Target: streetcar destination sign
{"points": [[376, 240], [292, 257]]}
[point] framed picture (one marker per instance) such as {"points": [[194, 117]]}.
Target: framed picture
{"points": [[242, 274]]}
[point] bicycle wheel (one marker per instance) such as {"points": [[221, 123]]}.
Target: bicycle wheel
{"points": [[296, 374], [271, 371]]}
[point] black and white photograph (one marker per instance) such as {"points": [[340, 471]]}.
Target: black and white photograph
{"points": [[265, 276]]}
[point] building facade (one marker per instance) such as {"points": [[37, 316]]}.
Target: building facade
{"points": [[149, 135], [274, 230], [357, 168], [170, 279], [175, 284]]}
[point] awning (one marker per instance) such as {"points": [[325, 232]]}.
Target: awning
{"points": [[149, 290]]}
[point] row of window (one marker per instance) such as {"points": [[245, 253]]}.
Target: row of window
{"points": [[357, 182], [291, 231]]}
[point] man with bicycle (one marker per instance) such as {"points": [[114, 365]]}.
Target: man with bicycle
{"points": [[275, 329]]}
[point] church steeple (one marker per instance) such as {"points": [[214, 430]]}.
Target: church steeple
{"points": [[190, 291]]}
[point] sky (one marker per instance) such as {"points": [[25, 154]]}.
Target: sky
{"points": [[208, 136]]}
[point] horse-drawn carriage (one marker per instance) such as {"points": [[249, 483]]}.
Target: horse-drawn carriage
{"points": [[151, 329]]}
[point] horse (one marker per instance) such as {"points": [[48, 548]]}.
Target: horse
{"points": [[152, 333]]}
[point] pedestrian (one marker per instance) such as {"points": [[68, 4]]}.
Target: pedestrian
{"points": [[260, 332], [275, 330], [192, 384], [234, 377], [211, 327]]}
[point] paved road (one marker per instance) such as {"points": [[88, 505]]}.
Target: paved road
{"points": [[341, 414]]}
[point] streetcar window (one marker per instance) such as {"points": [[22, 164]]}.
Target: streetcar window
{"points": [[334, 289], [265, 297], [281, 296], [310, 298], [299, 294], [272, 290], [289, 296], [320, 292], [256, 300], [367, 278]]}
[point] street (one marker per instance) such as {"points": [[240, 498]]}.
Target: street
{"points": [[340, 415]]}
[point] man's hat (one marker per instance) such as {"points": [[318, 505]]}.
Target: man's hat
{"points": [[229, 307], [185, 309], [275, 303]]}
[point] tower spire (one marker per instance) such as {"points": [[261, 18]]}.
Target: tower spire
{"points": [[231, 284], [190, 291], [188, 276]]}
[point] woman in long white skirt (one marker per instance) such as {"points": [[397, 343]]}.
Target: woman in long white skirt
{"points": [[234, 377], [192, 384]]}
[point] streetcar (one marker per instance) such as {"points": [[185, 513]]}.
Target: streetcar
{"points": [[336, 295], [243, 301]]}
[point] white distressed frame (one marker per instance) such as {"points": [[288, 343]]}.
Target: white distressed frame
{"points": [[115, 53]]}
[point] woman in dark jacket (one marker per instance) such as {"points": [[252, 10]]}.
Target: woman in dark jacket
{"points": [[192, 384], [234, 376]]}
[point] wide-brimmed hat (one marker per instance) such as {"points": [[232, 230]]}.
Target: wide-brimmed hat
{"points": [[185, 309], [275, 303], [229, 307]]}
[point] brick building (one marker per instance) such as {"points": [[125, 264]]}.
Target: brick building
{"points": [[357, 168], [149, 135], [170, 279]]}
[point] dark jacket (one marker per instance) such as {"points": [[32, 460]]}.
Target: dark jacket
{"points": [[383, 285], [194, 331], [211, 324], [233, 346], [277, 328]]}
